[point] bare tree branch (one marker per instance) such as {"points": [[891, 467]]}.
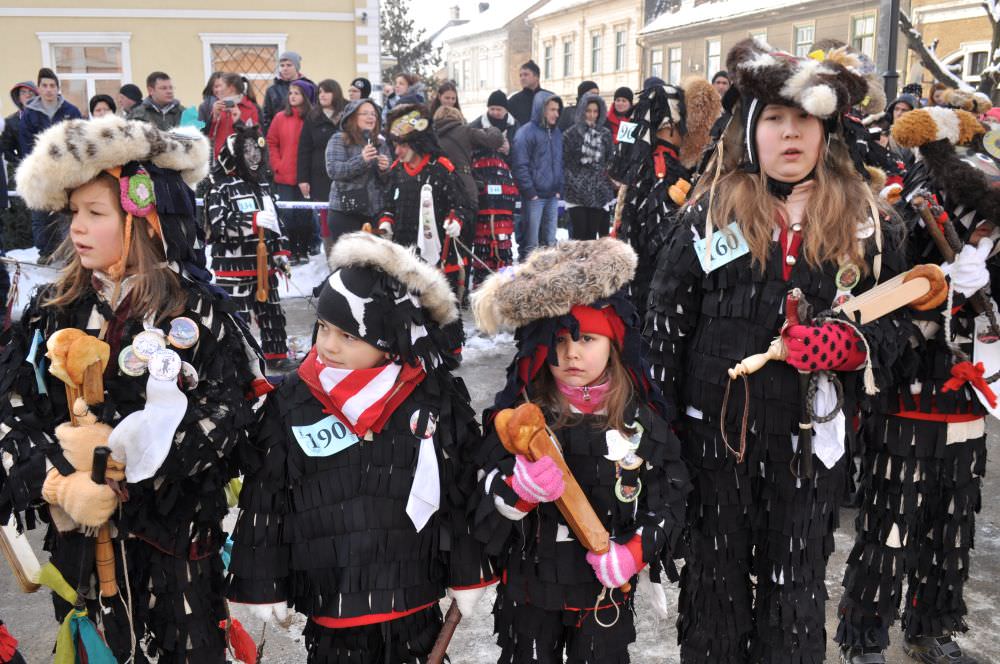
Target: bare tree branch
{"points": [[988, 78], [915, 42]]}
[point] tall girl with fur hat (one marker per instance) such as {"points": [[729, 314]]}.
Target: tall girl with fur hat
{"points": [[176, 385], [579, 359], [780, 207], [353, 510]]}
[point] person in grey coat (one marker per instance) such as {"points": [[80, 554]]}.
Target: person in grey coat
{"points": [[357, 160], [587, 149]]}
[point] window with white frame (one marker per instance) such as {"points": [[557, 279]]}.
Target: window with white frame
{"points": [[595, 52], [467, 80], [760, 34], [547, 62], [87, 63], [805, 35], [484, 67], [567, 59], [969, 61], [499, 75], [674, 65], [656, 62], [621, 46], [713, 56], [863, 34], [252, 55]]}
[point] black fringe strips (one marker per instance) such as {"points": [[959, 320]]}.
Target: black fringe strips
{"points": [[406, 640]]}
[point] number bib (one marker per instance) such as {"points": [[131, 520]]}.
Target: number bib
{"points": [[494, 189], [246, 204], [324, 438], [626, 132], [726, 247]]}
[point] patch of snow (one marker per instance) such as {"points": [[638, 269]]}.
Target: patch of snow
{"points": [[30, 278], [495, 18], [691, 13]]}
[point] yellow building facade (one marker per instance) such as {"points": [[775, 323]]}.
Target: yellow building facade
{"points": [[95, 46], [963, 35]]}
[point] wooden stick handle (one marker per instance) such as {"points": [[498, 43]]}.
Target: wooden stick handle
{"points": [[451, 620], [262, 271]]}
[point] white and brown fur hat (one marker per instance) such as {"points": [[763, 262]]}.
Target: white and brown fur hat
{"points": [[74, 152]]}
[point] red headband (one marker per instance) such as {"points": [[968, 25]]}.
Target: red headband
{"points": [[604, 321]]}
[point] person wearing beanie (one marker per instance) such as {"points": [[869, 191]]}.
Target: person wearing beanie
{"points": [[353, 510], [128, 96], [568, 117], [176, 383], [621, 109], [10, 145], [101, 105], [289, 69], [770, 461], [422, 178], [721, 82], [498, 115], [580, 362], [360, 88], [241, 211]]}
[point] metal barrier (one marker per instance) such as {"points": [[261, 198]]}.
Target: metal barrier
{"points": [[284, 205]]}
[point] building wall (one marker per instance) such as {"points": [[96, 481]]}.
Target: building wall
{"points": [[479, 64], [577, 25], [329, 34], [961, 28]]}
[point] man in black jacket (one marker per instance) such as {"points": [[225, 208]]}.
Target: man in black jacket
{"points": [[289, 64], [520, 103]]}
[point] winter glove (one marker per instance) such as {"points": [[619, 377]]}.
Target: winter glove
{"points": [[267, 219], [968, 271], [385, 230], [467, 598], [282, 263], [891, 193], [824, 347], [79, 442], [87, 503], [277, 611], [537, 482], [452, 227], [618, 564]]}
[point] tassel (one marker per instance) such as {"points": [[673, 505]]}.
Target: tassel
{"points": [[242, 645]]}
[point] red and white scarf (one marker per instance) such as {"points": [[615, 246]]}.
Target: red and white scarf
{"points": [[364, 399]]}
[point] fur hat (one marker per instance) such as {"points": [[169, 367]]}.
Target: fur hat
{"points": [[976, 103], [551, 281], [413, 125], [72, 153], [933, 123]]}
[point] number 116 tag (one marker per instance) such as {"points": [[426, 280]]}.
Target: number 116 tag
{"points": [[727, 246]]}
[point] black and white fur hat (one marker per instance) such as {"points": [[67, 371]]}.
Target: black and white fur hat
{"points": [[382, 293]]}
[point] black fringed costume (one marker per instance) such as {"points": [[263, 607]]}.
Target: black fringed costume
{"points": [[233, 199], [921, 531], [751, 518], [498, 197], [546, 601]]}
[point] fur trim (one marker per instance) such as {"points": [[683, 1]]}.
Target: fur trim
{"points": [[552, 281], [973, 102], [934, 123], [703, 106], [876, 178], [874, 101], [74, 152], [424, 281]]}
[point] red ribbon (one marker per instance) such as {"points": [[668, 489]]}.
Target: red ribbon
{"points": [[8, 644], [966, 372]]}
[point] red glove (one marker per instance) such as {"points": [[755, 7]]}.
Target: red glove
{"points": [[824, 347]]}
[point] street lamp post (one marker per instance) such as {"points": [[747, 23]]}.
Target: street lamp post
{"points": [[887, 45]]}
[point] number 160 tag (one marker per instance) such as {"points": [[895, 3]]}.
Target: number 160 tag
{"points": [[727, 246], [324, 438]]}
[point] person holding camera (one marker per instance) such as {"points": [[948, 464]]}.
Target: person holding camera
{"points": [[234, 103]]}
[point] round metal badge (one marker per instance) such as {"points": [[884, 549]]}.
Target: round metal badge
{"points": [[631, 461], [129, 364], [148, 343], [847, 277], [991, 142], [165, 365], [628, 494], [189, 376], [430, 427], [183, 333]]}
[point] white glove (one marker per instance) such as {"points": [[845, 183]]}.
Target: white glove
{"points": [[452, 228], [268, 219], [968, 271], [654, 594], [283, 264], [467, 599], [385, 228], [266, 612], [143, 439]]}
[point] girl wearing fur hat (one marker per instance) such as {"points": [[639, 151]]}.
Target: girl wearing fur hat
{"points": [[353, 510], [579, 359], [925, 450], [176, 374], [780, 207]]}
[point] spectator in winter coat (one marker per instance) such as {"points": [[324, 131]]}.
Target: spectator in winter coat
{"points": [[208, 99], [538, 170], [360, 88], [289, 66], [234, 103], [621, 109], [357, 160], [568, 117], [404, 85], [498, 116], [721, 83], [10, 144], [587, 149], [128, 96], [283, 151], [446, 95], [521, 103], [458, 141], [159, 107], [320, 124], [101, 105]]}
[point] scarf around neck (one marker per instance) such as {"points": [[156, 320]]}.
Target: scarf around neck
{"points": [[593, 148], [587, 399]]}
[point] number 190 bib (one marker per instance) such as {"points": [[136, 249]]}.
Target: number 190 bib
{"points": [[324, 438]]}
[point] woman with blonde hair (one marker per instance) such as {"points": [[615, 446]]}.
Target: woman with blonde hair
{"points": [[780, 219]]}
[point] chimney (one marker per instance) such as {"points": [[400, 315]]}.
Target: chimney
{"points": [[483, 6], [455, 12]]}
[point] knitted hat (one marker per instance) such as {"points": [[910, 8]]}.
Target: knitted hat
{"points": [[624, 93], [497, 98], [382, 293], [131, 91], [584, 88], [364, 85], [292, 57], [97, 99]]}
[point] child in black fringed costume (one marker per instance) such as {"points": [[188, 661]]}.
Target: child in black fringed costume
{"points": [[239, 204], [580, 360], [353, 509], [172, 419], [925, 451], [788, 210], [672, 130], [498, 196]]}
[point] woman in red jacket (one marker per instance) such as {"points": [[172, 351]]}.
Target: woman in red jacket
{"points": [[234, 103], [283, 148]]}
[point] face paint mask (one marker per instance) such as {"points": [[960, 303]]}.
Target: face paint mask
{"points": [[251, 155]]}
